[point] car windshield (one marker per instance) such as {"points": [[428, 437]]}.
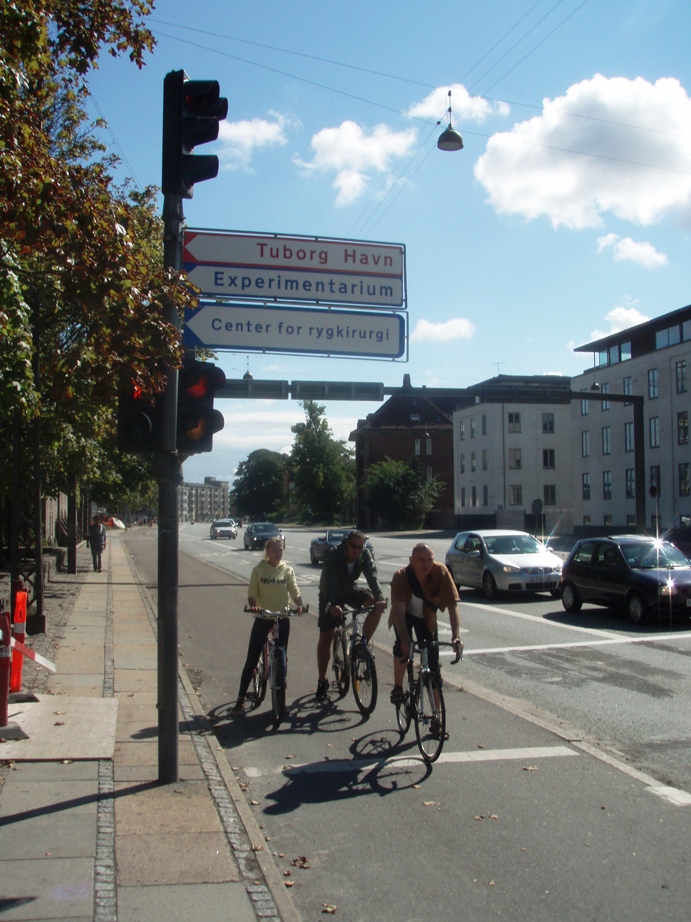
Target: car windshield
{"points": [[649, 556], [224, 524], [266, 529], [513, 544], [337, 535]]}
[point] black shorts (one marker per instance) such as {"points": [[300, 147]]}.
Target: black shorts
{"points": [[356, 599], [423, 634]]}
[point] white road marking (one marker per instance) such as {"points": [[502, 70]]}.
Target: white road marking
{"points": [[606, 641], [539, 619], [360, 765]]}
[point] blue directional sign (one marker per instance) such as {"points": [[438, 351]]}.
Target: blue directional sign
{"points": [[245, 327]]}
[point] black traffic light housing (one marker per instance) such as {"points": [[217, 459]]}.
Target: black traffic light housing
{"points": [[137, 422], [197, 421], [192, 110]]}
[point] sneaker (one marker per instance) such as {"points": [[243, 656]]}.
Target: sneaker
{"points": [[238, 708], [397, 695], [322, 689], [435, 731]]}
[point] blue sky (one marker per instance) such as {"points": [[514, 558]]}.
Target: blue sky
{"points": [[566, 216]]}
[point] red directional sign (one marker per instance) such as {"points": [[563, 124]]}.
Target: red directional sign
{"points": [[307, 269]]}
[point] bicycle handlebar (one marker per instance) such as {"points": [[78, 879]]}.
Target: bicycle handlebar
{"points": [[270, 615], [416, 646]]}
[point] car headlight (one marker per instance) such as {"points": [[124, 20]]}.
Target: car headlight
{"points": [[507, 568], [668, 588]]}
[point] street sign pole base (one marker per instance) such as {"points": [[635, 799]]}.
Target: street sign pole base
{"points": [[12, 731]]}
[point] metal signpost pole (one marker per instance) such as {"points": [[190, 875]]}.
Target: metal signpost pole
{"points": [[168, 470]]}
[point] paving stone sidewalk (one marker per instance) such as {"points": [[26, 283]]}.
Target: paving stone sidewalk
{"points": [[87, 831]]}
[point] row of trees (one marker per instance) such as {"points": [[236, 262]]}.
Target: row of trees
{"points": [[321, 472], [81, 269]]}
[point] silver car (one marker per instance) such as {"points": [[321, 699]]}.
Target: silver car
{"points": [[500, 560], [223, 528]]}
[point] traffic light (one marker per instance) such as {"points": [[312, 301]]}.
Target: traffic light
{"points": [[137, 432], [192, 110], [197, 420]]}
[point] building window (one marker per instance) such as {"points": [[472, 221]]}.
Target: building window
{"points": [[586, 486], [586, 520], [604, 389], [653, 384], [683, 428], [417, 448], [485, 495], [606, 441], [548, 422], [630, 483], [607, 520], [429, 446], [461, 430], [463, 497], [630, 521], [484, 423], [549, 458], [473, 462], [585, 444], [684, 481], [516, 495], [514, 459], [682, 383], [585, 408], [514, 422], [628, 436], [549, 492], [472, 428], [473, 497], [429, 474], [485, 464], [654, 427], [462, 463], [627, 388], [606, 484], [655, 476]]}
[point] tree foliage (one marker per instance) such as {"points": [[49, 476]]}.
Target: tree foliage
{"points": [[82, 282], [398, 495], [259, 485], [323, 469]]}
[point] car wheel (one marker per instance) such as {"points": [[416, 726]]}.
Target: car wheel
{"points": [[637, 608], [570, 599], [489, 586], [313, 559]]}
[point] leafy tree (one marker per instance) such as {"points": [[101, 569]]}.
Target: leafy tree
{"points": [[82, 282], [259, 485], [397, 493], [323, 467]]}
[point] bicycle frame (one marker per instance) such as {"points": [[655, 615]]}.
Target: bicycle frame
{"points": [[353, 661], [275, 661]]}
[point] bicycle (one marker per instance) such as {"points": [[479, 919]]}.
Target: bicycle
{"points": [[353, 660], [423, 701], [272, 668]]}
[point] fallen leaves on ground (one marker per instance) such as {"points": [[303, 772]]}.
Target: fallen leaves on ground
{"points": [[301, 862], [328, 908]]}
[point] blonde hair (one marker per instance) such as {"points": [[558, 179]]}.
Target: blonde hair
{"points": [[270, 543]]}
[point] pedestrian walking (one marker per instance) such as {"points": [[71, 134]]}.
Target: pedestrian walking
{"points": [[96, 540]]}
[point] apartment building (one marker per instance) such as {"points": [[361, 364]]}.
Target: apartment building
{"points": [[650, 360], [204, 502]]}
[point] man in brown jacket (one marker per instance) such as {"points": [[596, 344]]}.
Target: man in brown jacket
{"points": [[417, 592]]}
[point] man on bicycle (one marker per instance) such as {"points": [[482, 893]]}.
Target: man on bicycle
{"points": [[418, 591], [343, 565]]}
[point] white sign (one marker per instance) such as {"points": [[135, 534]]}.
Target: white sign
{"points": [[277, 268], [365, 334]]}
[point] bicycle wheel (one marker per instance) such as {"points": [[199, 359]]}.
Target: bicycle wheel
{"points": [[260, 678], [278, 686], [364, 674], [341, 663], [430, 717], [404, 710]]}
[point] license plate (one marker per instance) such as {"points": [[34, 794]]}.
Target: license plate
{"points": [[688, 603]]}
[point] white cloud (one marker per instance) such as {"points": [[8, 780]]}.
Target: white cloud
{"points": [[458, 328], [465, 108], [626, 249], [609, 145], [621, 318], [353, 155], [241, 139]]}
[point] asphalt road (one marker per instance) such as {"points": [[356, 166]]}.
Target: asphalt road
{"points": [[518, 819]]}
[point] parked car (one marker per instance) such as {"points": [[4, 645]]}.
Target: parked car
{"points": [[501, 560], [560, 545], [634, 572], [332, 538], [680, 537], [258, 533], [223, 528]]}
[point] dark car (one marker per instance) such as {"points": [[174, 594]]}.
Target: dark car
{"points": [[639, 574], [680, 537], [258, 533], [332, 538]]}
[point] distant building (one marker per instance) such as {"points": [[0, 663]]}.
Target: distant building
{"points": [[204, 502]]}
